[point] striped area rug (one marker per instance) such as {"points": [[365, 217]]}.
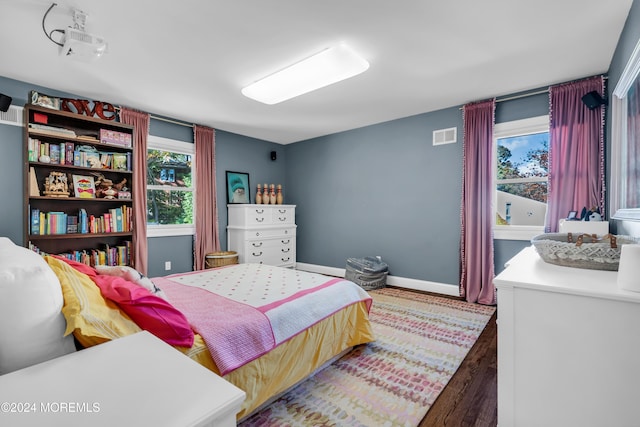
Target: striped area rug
{"points": [[420, 342]]}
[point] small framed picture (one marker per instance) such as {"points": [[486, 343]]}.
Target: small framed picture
{"points": [[572, 215], [43, 100], [84, 186], [238, 189]]}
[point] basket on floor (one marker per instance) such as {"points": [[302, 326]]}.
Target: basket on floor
{"points": [[219, 259], [369, 273]]}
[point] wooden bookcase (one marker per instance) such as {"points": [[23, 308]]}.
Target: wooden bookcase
{"points": [[104, 240]]}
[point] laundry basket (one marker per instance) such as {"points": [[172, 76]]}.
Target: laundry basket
{"points": [[369, 272], [219, 259]]}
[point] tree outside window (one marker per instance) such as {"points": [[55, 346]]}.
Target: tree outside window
{"points": [[522, 168], [170, 187]]}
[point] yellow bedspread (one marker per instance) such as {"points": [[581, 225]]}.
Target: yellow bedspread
{"points": [[292, 361]]}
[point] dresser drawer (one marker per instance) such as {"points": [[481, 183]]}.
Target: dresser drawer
{"points": [[270, 232], [283, 215], [285, 244], [270, 251], [250, 215]]}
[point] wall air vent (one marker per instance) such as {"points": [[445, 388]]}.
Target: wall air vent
{"points": [[13, 116], [445, 136]]}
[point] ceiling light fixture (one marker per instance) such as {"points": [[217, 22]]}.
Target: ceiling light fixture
{"points": [[322, 69]]}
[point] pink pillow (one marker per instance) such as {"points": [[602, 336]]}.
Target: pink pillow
{"points": [[148, 311]]}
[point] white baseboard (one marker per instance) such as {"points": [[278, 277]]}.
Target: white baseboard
{"points": [[401, 282]]}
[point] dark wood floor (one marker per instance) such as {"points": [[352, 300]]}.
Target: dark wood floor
{"points": [[470, 398]]}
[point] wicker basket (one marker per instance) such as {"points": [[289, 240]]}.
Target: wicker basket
{"points": [[581, 250], [219, 259]]}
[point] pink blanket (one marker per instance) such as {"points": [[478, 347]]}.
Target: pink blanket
{"points": [[231, 342]]}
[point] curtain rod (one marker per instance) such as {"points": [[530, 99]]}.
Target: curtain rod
{"points": [[162, 119], [175, 122], [524, 95]]}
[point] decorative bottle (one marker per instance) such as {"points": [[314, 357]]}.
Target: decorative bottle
{"points": [[279, 195], [272, 195], [259, 195]]}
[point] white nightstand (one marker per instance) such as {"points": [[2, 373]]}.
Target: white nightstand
{"points": [[137, 380]]}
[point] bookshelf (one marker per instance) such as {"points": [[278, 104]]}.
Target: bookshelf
{"points": [[78, 175]]}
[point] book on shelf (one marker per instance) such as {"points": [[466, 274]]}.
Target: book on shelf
{"points": [[83, 224], [114, 137], [42, 222], [51, 130], [55, 223], [35, 221], [63, 154], [69, 153], [54, 154], [92, 160], [72, 224], [120, 161]]}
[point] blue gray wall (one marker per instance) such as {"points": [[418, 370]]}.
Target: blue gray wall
{"points": [[386, 190]]}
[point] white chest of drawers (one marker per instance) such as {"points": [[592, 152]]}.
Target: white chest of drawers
{"points": [[263, 234], [568, 346]]}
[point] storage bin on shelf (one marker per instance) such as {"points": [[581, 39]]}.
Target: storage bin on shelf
{"points": [[220, 259], [369, 272]]}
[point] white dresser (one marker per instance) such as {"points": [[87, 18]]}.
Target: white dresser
{"points": [[263, 234], [568, 346]]}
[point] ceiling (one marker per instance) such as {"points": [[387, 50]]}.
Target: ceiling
{"points": [[189, 59]]}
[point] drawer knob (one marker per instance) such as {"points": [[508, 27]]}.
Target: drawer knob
{"points": [[257, 254], [285, 250], [285, 242], [282, 219], [282, 211], [256, 245], [257, 233], [285, 259], [259, 219], [259, 211]]}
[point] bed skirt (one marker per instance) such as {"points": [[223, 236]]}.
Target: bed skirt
{"points": [[292, 361]]}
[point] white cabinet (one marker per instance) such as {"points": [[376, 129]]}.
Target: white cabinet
{"points": [[263, 234], [137, 380], [568, 346]]}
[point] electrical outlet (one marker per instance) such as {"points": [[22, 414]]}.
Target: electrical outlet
{"points": [[167, 265]]}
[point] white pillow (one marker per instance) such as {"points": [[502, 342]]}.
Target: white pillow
{"points": [[31, 322]]}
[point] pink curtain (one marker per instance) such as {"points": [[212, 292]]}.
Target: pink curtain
{"points": [[476, 242], [576, 151], [206, 239], [140, 121]]}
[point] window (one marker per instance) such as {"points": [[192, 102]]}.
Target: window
{"points": [[624, 192], [170, 187], [521, 177]]}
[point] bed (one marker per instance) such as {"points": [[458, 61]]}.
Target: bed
{"points": [[262, 328]]}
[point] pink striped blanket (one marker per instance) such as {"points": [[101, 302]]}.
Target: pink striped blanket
{"points": [[245, 310]]}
